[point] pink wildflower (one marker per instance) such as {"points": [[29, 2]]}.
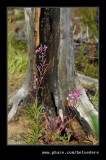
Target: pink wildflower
{"points": [[41, 49], [76, 94]]}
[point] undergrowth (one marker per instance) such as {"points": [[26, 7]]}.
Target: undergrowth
{"points": [[43, 129], [38, 133], [17, 55], [83, 65]]}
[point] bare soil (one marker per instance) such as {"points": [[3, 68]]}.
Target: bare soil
{"points": [[15, 132], [17, 128]]}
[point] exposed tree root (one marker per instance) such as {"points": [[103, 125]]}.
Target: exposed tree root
{"points": [[86, 108], [23, 92], [11, 99], [87, 81], [18, 97]]}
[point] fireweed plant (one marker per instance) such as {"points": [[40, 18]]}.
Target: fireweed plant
{"points": [[53, 126], [42, 68], [56, 124], [73, 99]]}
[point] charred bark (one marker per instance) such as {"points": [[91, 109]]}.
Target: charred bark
{"points": [[62, 78]]}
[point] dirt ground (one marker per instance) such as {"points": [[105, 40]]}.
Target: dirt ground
{"points": [[17, 128], [15, 131]]}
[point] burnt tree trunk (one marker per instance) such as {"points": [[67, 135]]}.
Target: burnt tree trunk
{"points": [[55, 26]]}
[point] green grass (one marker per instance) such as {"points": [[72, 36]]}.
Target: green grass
{"points": [[19, 45], [17, 55], [35, 125], [17, 62], [38, 133], [83, 65]]}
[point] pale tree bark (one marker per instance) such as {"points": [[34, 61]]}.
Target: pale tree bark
{"points": [[87, 81], [23, 92], [55, 26]]}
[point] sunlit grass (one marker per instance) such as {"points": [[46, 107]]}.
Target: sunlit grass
{"points": [[17, 55], [35, 125], [17, 62]]}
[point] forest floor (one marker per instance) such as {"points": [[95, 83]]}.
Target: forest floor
{"points": [[17, 128], [15, 131], [16, 76]]}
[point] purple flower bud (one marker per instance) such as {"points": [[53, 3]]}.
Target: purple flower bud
{"points": [[41, 49], [45, 47], [71, 100], [76, 94]]}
